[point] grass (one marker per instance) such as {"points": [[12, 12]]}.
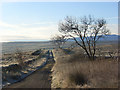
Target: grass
{"points": [[14, 71], [100, 74], [72, 71], [78, 78]]}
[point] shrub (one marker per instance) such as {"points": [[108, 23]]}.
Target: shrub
{"points": [[19, 56], [78, 78], [15, 77], [67, 51], [77, 57]]}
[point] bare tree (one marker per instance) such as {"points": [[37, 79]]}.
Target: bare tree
{"points": [[58, 40], [87, 29]]}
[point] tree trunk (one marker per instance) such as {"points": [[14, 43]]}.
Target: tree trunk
{"points": [[87, 53]]}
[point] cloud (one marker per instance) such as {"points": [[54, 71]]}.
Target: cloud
{"points": [[109, 18], [20, 38], [11, 32], [113, 28], [2, 24], [38, 23]]}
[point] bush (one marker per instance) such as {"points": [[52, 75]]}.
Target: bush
{"points": [[77, 57], [37, 52], [19, 56], [15, 77], [78, 78], [67, 51]]}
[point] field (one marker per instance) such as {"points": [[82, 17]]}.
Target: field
{"points": [[10, 47], [14, 68], [72, 68]]}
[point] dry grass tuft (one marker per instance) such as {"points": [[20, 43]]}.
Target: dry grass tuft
{"points": [[78, 78]]}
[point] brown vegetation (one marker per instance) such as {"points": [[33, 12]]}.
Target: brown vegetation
{"points": [[19, 56], [20, 63], [77, 71]]}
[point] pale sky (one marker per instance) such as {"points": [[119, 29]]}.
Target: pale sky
{"points": [[35, 21]]}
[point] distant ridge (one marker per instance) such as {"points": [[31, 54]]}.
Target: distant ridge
{"points": [[112, 37]]}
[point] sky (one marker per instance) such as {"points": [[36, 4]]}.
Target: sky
{"points": [[38, 21]]}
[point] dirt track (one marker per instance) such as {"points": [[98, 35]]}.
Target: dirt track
{"points": [[39, 79]]}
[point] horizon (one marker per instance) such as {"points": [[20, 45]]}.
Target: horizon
{"points": [[46, 40], [38, 21]]}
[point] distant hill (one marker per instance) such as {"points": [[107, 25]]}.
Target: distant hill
{"points": [[112, 37]]}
